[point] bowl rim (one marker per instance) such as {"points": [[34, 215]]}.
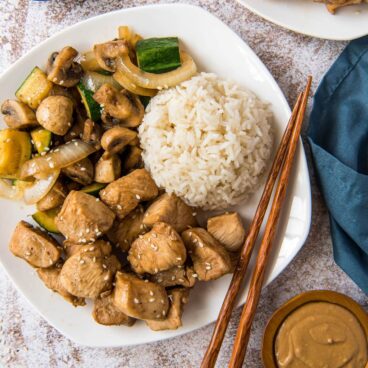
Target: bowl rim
{"points": [[278, 317]]}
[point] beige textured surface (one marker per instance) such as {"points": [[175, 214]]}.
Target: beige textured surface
{"points": [[26, 340]]}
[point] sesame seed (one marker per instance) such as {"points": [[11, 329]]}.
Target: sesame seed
{"points": [[98, 233], [178, 258], [88, 230], [136, 301], [28, 254], [194, 213], [52, 165], [94, 259], [106, 277], [162, 301], [208, 268], [181, 280], [83, 169], [164, 313], [146, 280], [156, 270], [151, 293], [194, 275], [138, 196], [173, 278], [151, 300], [104, 266], [119, 207], [82, 261], [154, 247], [97, 199], [154, 235], [139, 256]]}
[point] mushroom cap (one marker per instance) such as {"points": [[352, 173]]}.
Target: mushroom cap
{"points": [[115, 139], [18, 115], [107, 52]]}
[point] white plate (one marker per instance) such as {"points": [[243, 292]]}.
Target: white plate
{"points": [[313, 19], [215, 48]]}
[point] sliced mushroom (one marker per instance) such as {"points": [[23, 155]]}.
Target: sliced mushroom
{"points": [[178, 298], [210, 258], [139, 299], [106, 53], [228, 230], [76, 131], [18, 115], [108, 169], [115, 139], [109, 121], [50, 277], [71, 93], [82, 171], [62, 69], [106, 313], [125, 231], [178, 275], [92, 133], [132, 159], [121, 105], [55, 114], [54, 198]]}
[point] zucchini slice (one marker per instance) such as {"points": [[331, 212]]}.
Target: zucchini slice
{"points": [[92, 107], [46, 219], [41, 139], [94, 80], [93, 188], [158, 55], [15, 149], [34, 89]]}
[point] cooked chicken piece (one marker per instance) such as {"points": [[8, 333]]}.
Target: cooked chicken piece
{"points": [[83, 218], [71, 248], [172, 210], [106, 313], [176, 276], [50, 276], [108, 169], [228, 230], [158, 250], [210, 258], [92, 133], [34, 246], [178, 298], [54, 198], [125, 231], [124, 194], [139, 299], [82, 171], [132, 159], [90, 271]]}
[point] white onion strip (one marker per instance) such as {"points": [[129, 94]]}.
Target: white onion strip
{"points": [[62, 156], [158, 81], [39, 188], [9, 191]]}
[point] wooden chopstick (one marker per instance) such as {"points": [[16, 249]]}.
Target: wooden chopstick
{"points": [[249, 310], [223, 319]]}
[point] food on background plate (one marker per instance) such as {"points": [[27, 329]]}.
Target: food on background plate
{"points": [[333, 5], [81, 147]]}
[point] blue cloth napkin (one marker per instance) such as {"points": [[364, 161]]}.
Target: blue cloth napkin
{"points": [[338, 137]]}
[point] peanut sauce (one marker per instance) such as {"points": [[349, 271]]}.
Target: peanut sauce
{"points": [[321, 334]]}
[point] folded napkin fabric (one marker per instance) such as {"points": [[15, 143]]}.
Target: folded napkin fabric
{"points": [[338, 137]]}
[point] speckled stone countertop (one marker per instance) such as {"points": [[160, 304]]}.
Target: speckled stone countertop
{"points": [[26, 340]]}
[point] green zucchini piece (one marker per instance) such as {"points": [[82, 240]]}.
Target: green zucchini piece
{"points": [[92, 107], [46, 219], [34, 89], [158, 55], [94, 80], [41, 139], [93, 188]]}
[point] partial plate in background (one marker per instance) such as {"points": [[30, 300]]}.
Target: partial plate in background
{"points": [[313, 19]]}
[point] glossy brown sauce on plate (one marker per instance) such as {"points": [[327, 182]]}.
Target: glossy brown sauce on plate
{"points": [[321, 334]]}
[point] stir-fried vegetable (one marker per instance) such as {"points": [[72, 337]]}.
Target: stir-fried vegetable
{"points": [[93, 80], [93, 109], [125, 82], [157, 81], [34, 192], [9, 191], [34, 89], [46, 219], [41, 139], [88, 61], [15, 149], [93, 188], [62, 156], [158, 55]]}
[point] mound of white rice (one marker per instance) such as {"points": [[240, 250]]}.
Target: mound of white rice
{"points": [[207, 141]]}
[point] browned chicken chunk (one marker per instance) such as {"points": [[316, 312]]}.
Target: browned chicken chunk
{"points": [[140, 299], [228, 230], [34, 246], [178, 298], [90, 272], [176, 276], [71, 248], [158, 250], [54, 198], [106, 313], [50, 276], [210, 258], [172, 210], [125, 231], [82, 171], [124, 194], [83, 218]]}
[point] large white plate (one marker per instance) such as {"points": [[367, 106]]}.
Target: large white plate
{"points": [[313, 19], [216, 48]]}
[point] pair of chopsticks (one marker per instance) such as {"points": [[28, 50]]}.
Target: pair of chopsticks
{"points": [[281, 166]]}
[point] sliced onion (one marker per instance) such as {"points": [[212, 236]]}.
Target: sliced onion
{"points": [[39, 188], [125, 82], [157, 81], [62, 156], [9, 191]]}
